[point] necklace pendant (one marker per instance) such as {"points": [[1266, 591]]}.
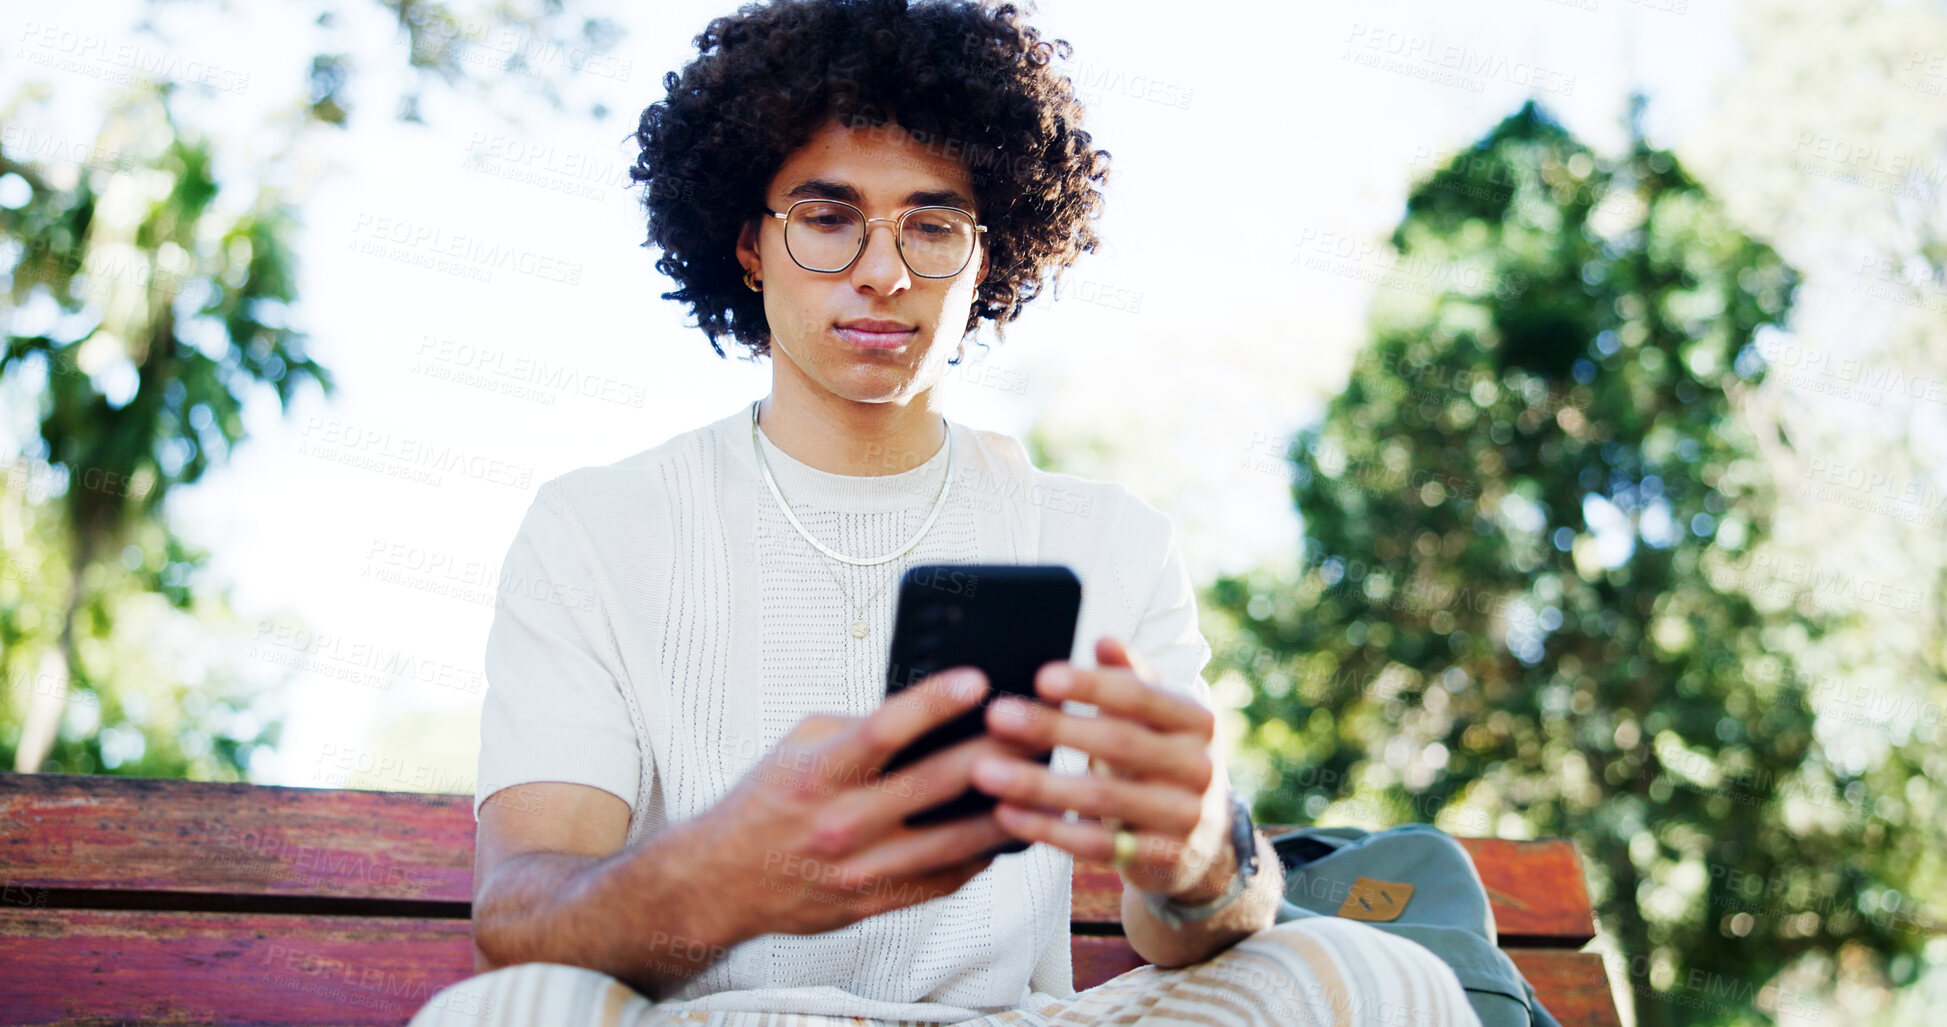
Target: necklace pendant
{"points": [[858, 628]]}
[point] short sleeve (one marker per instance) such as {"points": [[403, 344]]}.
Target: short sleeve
{"points": [[554, 706], [1054, 970], [1167, 633]]}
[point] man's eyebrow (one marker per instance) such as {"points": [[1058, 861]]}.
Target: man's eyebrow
{"points": [[826, 189]]}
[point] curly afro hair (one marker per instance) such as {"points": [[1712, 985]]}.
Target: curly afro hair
{"points": [[965, 77]]}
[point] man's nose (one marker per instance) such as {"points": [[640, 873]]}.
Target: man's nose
{"points": [[881, 266]]}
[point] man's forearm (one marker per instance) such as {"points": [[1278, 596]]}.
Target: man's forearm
{"points": [[1198, 940], [560, 908]]}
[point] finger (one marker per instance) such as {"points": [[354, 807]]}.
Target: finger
{"points": [[1086, 839], [1117, 690], [875, 804], [925, 850], [1163, 807], [908, 714], [1110, 741], [1111, 652]]}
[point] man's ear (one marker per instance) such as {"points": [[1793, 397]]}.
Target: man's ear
{"points": [[747, 247]]}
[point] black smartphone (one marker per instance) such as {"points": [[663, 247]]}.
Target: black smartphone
{"points": [[1009, 620]]}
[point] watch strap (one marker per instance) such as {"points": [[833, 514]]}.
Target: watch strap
{"points": [[1243, 839]]}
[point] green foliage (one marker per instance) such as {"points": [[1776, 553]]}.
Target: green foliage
{"points": [[151, 316], [147, 300], [1526, 581]]}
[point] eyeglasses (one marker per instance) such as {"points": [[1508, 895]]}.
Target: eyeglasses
{"points": [[826, 236]]}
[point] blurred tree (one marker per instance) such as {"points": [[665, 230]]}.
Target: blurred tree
{"points": [[1526, 587], [148, 301], [1830, 141], [149, 316]]}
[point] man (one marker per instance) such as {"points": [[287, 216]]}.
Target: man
{"points": [[683, 814]]}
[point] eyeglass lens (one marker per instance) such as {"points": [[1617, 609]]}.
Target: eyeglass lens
{"points": [[936, 241]]}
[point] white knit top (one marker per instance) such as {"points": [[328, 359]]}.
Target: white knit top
{"points": [[660, 626]]}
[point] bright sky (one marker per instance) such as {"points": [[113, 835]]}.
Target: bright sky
{"points": [[1236, 134]]}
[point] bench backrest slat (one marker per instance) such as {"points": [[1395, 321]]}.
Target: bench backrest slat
{"points": [[273, 849]]}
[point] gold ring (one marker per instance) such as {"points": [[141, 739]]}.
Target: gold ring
{"points": [[1125, 848]]}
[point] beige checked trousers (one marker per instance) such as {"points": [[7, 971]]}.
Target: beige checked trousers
{"points": [[1316, 972]]}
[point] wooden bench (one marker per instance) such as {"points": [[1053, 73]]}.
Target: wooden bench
{"points": [[126, 900]]}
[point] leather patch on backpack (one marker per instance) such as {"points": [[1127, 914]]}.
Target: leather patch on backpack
{"points": [[1376, 901]]}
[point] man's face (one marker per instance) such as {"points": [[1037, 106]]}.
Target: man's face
{"points": [[884, 173]]}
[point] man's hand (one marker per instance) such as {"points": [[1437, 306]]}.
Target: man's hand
{"points": [[812, 839], [1161, 780], [809, 840]]}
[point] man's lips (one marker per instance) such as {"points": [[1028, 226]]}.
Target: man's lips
{"points": [[876, 339]]}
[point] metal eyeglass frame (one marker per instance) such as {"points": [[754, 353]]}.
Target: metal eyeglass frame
{"points": [[865, 235]]}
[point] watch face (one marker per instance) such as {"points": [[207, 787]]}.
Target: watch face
{"points": [[1243, 835]]}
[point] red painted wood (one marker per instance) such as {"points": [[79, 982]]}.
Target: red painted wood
{"points": [[290, 969], [1574, 986], [1536, 889], [223, 968], [94, 832], [1099, 959], [121, 838], [129, 834]]}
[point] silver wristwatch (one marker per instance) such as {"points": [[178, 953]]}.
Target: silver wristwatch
{"points": [[1243, 839]]}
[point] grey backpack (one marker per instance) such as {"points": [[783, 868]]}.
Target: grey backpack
{"points": [[1333, 871]]}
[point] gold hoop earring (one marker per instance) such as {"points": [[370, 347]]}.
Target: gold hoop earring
{"points": [[752, 283]]}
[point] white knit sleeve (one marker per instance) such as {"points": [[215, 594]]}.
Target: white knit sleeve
{"points": [[1054, 970], [1166, 632], [554, 708]]}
